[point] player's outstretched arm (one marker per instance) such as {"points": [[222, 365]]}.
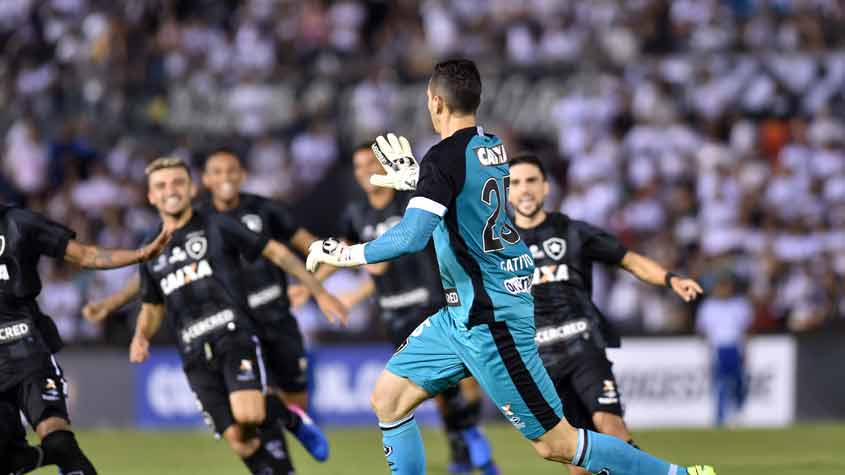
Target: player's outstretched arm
{"points": [[94, 257], [410, 235], [653, 273], [99, 310], [298, 294], [280, 255], [301, 239], [149, 320], [377, 269], [358, 294]]}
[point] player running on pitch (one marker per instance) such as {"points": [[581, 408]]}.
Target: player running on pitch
{"points": [[31, 380], [572, 333], [487, 326], [408, 291], [265, 283], [197, 282]]}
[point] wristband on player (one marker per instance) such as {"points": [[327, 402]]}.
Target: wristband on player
{"points": [[668, 279]]}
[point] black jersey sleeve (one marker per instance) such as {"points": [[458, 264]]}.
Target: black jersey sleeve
{"points": [[238, 238], [150, 290], [282, 224], [601, 246], [441, 175], [48, 237]]}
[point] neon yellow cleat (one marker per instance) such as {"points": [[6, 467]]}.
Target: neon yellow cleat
{"points": [[701, 470]]}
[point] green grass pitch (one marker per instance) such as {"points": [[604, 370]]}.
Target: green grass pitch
{"points": [[800, 450]]}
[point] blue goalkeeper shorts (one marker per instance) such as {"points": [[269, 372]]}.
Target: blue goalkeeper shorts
{"points": [[503, 358]]}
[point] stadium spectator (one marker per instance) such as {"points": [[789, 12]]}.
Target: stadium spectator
{"points": [[710, 130], [724, 319]]}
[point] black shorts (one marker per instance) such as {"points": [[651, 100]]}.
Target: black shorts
{"points": [[401, 322], [12, 435], [586, 385], [41, 391], [241, 367], [285, 355]]}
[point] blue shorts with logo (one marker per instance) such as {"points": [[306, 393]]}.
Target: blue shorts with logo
{"points": [[501, 356]]}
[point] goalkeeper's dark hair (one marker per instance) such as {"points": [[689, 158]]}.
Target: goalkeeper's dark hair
{"points": [[527, 158], [459, 83]]}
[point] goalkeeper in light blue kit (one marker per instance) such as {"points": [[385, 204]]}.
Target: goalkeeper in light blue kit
{"points": [[487, 327]]}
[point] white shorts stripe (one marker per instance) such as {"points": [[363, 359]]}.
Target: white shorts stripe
{"points": [[262, 373], [427, 204], [60, 374]]}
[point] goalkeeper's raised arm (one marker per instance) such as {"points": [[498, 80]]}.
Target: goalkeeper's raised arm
{"points": [[409, 236]]}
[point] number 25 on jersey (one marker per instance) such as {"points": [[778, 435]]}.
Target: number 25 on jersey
{"points": [[491, 241]]}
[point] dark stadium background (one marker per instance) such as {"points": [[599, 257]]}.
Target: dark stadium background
{"points": [[707, 134]]}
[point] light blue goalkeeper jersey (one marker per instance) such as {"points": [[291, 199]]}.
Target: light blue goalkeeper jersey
{"points": [[485, 267]]}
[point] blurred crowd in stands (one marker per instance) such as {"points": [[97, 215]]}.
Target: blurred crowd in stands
{"points": [[708, 134]]}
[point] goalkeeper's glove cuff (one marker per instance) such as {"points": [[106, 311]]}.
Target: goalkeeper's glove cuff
{"points": [[357, 256]]}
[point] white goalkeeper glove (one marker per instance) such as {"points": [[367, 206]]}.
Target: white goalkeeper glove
{"points": [[335, 253], [394, 154]]}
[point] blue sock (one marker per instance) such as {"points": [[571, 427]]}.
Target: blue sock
{"points": [[597, 452], [403, 446]]}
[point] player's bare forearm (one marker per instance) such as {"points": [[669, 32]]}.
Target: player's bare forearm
{"points": [[149, 320], [359, 294], [643, 268], [377, 269], [301, 239], [93, 257], [124, 295], [324, 272], [650, 271], [286, 260]]}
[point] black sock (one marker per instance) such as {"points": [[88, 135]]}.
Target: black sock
{"points": [[278, 411], [273, 441], [60, 448], [458, 449], [460, 414], [263, 463], [22, 459]]}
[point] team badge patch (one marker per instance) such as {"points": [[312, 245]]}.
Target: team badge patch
{"points": [[196, 247], [245, 372], [555, 248], [609, 394], [252, 222], [51, 390]]}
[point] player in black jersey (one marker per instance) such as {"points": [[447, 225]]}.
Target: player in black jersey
{"points": [[264, 283], [198, 283], [31, 380], [408, 291], [572, 333]]}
